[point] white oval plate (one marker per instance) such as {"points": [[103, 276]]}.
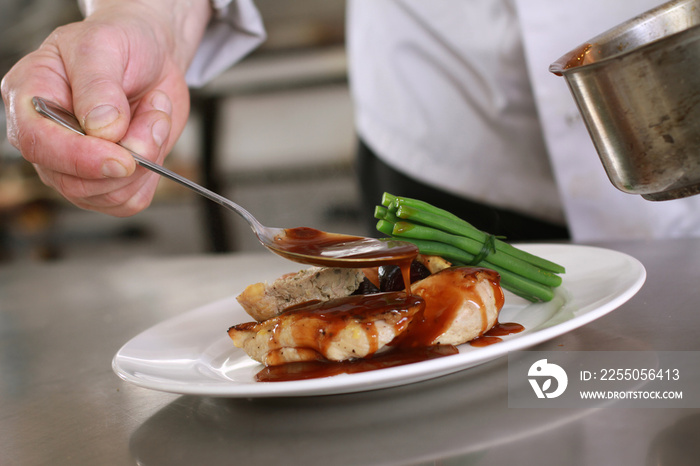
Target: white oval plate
{"points": [[192, 353]]}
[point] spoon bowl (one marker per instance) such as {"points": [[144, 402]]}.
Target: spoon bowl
{"points": [[303, 244]]}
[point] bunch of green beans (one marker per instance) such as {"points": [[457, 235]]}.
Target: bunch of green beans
{"points": [[438, 232]]}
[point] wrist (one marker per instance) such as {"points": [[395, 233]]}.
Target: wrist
{"points": [[179, 24]]}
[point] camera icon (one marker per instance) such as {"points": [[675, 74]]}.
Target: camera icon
{"points": [[544, 372]]}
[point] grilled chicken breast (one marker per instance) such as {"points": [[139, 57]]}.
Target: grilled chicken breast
{"points": [[338, 330], [450, 307], [461, 303]]}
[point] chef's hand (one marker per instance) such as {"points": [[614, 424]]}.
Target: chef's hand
{"points": [[121, 71]]}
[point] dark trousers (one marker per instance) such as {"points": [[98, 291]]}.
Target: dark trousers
{"points": [[376, 177]]}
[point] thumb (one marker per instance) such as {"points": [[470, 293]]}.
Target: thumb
{"points": [[99, 100]]}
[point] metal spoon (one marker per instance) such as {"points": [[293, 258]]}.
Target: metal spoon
{"points": [[305, 245]]}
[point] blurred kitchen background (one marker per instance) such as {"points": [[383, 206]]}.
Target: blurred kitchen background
{"points": [[274, 134]]}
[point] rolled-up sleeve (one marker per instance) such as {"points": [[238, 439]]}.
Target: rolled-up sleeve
{"points": [[235, 30]]}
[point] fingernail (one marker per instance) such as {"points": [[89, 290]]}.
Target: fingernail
{"points": [[161, 101], [101, 116], [113, 169], [160, 131]]}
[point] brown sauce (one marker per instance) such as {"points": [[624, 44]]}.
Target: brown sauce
{"points": [[443, 302], [579, 57], [335, 248], [503, 329], [495, 333], [318, 369], [322, 321], [405, 266], [418, 325]]}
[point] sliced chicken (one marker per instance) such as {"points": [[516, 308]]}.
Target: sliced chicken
{"points": [[462, 303], [338, 330], [450, 307], [263, 300]]}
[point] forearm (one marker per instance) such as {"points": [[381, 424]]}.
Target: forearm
{"points": [[180, 24]]}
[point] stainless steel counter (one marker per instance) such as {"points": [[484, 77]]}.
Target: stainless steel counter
{"points": [[61, 404]]}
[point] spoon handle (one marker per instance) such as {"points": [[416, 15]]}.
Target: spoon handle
{"points": [[66, 119]]}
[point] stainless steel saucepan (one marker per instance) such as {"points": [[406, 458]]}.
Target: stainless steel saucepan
{"points": [[637, 87]]}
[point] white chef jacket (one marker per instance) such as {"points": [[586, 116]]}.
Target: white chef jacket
{"points": [[457, 94], [441, 93], [234, 31]]}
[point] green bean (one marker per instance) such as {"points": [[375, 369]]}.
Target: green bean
{"points": [[438, 232]]}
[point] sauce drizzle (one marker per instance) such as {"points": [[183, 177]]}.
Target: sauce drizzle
{"points": [[321, 322], [443, 302], [335, 250], [493, 335], [317, 369]]}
